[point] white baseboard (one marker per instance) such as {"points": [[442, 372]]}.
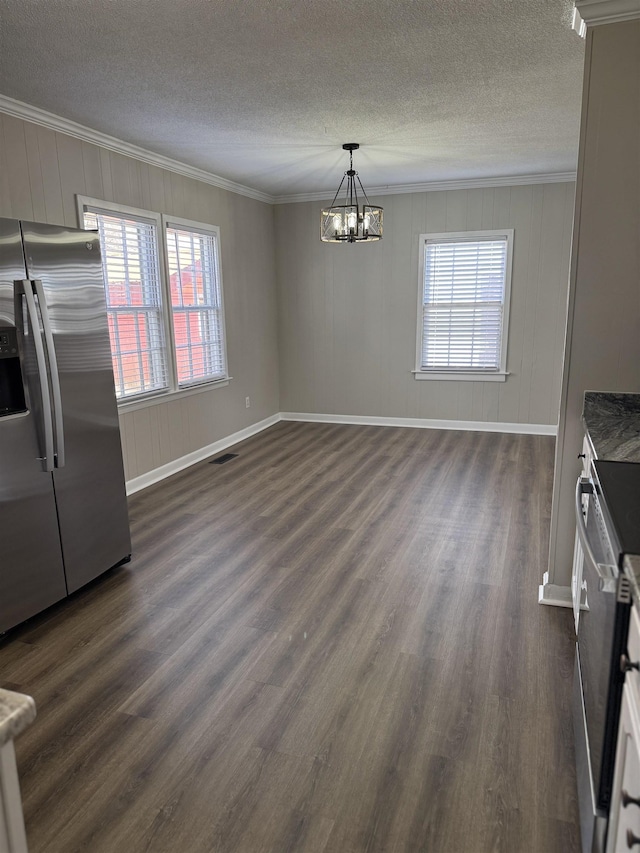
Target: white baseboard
{"points": [[423, 423], [551, 593], [157, 474]]}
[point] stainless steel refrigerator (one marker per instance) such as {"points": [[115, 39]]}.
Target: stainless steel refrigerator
{"points": [[63, 507]]}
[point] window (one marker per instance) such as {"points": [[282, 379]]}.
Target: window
{"points": [[129, 248], [464, 305], [164, 299], [196, 301]]}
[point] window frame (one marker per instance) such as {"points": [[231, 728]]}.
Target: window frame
{"points": [[200, 229], [173, 390], [466, 373]]}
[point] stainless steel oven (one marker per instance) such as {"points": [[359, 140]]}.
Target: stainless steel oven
{"points": [[602, 638]]}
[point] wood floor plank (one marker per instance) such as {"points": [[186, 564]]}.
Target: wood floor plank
{"points": [[330, 644]]}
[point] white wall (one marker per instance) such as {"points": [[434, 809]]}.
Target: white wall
{"points": [[40, 173], [603, 330], [348, 313]]}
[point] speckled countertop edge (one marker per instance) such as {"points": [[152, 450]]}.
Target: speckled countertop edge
{"points": [[17, 711], [612, 422]]}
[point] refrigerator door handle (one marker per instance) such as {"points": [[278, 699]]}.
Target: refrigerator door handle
{"points": [[27, 291], [55, 376]]}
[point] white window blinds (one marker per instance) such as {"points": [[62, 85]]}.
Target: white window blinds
{"points": [[196, 300], [129, 249], [463, 304]]}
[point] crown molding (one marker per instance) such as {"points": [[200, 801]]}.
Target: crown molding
{"points": [[437, 186], [86, 134], [592, 13], [27, 112]]}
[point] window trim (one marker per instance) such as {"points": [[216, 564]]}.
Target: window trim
{"points": [[84, 203], [207, 230], [465, 374], [150, 398]]}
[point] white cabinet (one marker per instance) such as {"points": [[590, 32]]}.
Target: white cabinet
{"points": [[624, 819], [578, 589]]}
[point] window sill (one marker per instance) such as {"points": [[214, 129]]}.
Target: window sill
{"points": [[461, 376], [167, 396]]}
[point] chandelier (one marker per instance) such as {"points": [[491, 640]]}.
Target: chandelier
{"points": [[351, 222]]}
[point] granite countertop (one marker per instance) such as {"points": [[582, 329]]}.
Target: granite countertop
{"points": [[16, 712], [612, 422]]}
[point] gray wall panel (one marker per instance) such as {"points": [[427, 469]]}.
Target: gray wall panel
{"points": [[340, 336], [348, 314], [41, 171]]}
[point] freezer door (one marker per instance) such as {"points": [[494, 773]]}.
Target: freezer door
{"points": [[31, 571], [89, 482]]}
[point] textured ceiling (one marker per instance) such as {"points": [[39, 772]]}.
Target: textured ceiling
{"points": [[264, 92]]}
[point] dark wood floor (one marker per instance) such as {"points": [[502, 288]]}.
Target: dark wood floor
{"points": [[331, 643]]}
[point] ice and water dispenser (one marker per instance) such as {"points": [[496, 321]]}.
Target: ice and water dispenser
{"points": [[12, 400]]}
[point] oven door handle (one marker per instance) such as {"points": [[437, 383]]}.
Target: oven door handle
{"points": [[606, 574]]}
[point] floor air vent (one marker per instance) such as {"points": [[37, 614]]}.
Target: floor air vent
{"points": [[226, 457]]}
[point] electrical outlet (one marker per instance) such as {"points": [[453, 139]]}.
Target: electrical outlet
{"points": [[247, 402]]}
